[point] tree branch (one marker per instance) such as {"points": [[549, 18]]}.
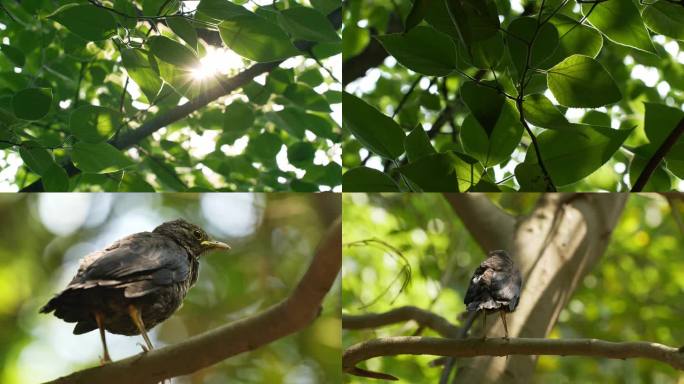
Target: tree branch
{"points": [[372, 56], [223, 88], [400, 315], [491, 227], [287, 317], [658, 156], [412, 345]]}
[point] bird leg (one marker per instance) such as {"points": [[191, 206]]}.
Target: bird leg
{"points": [[484, 324], [503, 317], [137, 320], [99, 318]]}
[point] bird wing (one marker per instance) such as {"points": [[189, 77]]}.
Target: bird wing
{"points": [[140, 263], [478, 291], [505, 287]]}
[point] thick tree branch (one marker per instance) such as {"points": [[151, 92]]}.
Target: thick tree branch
{"points": [[287, 317], [224, 87], [400, 315], [413, 345], [658, 156], [491, 227]]}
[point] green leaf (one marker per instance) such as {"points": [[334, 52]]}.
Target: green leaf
{"points": [[659, 180], [486, 54], [184, 30], [377, 132], [256, 38], [98, 158], [325, 6], [596, 118], [576, 39], [665, 18], [55, 179], [142, 72], [307, 24], [94, 124], [221, 9], [329, 174], [295, 122], [475, 20], [86, 20], [265, 146], [523, 33], [32, 103], [582, 82], [484, 102], [495, 147], [173, 53], [238, 117], [166, 174], [659, 122], [571, 155], [417, 144], [354, 41], [125, 7], [37, 158], [539, 111], [301, 154], [621, 22], [305, 97], [423, 49], [530, 178], [311, 77], [159, 7], [418, 11], [363, 179], [675, 159], [14, 54], [442, 172]]}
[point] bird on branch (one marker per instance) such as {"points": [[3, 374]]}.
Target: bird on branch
{"points": [[494, 287], [135, 283]]}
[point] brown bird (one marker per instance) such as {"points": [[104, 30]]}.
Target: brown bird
{"points": [[135, 283], [494, 287]]}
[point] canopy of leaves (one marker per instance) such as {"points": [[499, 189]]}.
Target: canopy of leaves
{"points": [[632, 293], [156, 95], [273, 238], [454, 67]]}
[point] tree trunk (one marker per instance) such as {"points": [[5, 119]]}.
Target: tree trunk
{"points": [[555, 246]]}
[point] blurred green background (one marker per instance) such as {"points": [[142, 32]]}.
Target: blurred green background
{"points": [[635, 292], [42, 237]]}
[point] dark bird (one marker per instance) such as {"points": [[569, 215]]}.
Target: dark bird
{"points": [[135, 283], [494, 287]]}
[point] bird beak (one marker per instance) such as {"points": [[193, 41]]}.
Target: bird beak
{"points": [[211, 245]]}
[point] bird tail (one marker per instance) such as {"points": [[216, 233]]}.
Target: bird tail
{"points": [[50, 306], [451, 361]]}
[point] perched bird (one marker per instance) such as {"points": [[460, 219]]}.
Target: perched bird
{"points": [[135, 283], [494, 287]]}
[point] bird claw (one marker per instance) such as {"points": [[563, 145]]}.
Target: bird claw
{"points": [[105, 360], [144, 348]]}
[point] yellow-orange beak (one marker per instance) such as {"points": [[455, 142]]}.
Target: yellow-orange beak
{"points": [[215, 245]]}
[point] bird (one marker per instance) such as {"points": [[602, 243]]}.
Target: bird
{"points": [[135, 283], [494, 287]]}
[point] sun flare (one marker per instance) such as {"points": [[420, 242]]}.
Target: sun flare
{"points": [[217, 61]]}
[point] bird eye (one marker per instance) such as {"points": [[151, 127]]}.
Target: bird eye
{"points": [[197, 234]]}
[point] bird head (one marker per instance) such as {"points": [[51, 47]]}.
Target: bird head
{"points": [[501, 257], [499, 253], [190, 236]]}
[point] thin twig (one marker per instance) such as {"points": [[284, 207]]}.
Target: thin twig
{"points": [[658, 156]]}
